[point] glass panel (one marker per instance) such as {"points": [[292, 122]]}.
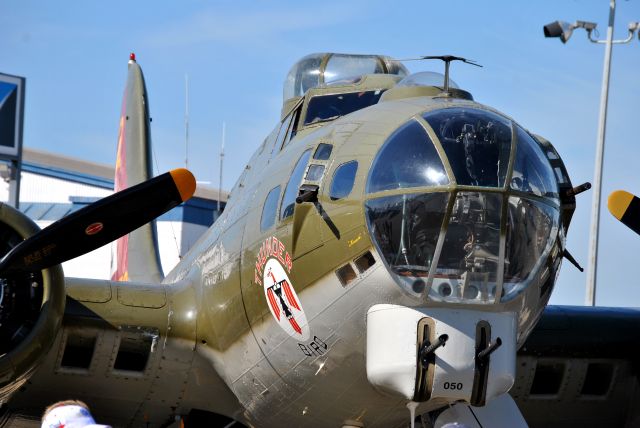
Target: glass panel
{"points": [[531, 225], [532, 171], [304, 74], [269, 209], [477, 143], [407, 159], [328, 107], [343, 180], [426, 78], [314, 173], [290, 193], [395, 67], [468, 263], [282, 132], [405, 229], [293, 129], [323, 152], [342, 66], [560, 176]]}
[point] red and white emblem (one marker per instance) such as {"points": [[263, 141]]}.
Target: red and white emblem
{"points": [[283, 301], [94, 228]]}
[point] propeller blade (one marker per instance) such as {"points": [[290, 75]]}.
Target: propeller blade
{"points": [[625, 207], [100, 223]]}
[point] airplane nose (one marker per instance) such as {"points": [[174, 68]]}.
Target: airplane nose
{"points": [[463, 206]]}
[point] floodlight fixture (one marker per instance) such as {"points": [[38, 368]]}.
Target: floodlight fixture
{"points": [[560, 29], [564, 30], [633, 27]]}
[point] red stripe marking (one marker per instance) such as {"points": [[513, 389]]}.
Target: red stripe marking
{"points": [[295, 325], [287, 291], [274, 305], [272, 276]]}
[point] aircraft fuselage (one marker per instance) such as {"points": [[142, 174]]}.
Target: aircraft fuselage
{"points": [[282, 309]]}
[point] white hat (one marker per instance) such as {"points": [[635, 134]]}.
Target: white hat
{"points": [[70, 416]]}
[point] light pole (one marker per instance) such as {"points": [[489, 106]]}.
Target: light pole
{"points": [[564, 30]]}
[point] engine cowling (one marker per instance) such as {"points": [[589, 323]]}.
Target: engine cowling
{"points": [[31, 308]]}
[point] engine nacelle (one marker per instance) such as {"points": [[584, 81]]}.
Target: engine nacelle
{"points": [[31, 308]]}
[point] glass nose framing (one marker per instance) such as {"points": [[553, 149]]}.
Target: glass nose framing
{"points": [[483, 233]]}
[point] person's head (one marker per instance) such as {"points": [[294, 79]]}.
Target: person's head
{"points": [[69, 414]]}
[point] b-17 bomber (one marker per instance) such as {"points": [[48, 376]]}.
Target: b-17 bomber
{"points": [[384, 259]]}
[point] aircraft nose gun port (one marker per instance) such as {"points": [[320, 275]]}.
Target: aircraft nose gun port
{"points": [[484, 354], [307, 193], [429, 348], [579, 189], [424, 354]]}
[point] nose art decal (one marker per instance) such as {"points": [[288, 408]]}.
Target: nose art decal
{"points": [[283, 302]]}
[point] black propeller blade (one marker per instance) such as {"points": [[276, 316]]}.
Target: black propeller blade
{"points": [[100, 223]]}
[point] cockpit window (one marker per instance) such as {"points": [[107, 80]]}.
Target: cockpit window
{"points": [[284, 129], [293, 129], [477, 144], [328, 107], [324, 68], [532, 171], [290, 193], [407, 159], [341, 66]]}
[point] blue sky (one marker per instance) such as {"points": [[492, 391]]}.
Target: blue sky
{"points": [[74, 55]]}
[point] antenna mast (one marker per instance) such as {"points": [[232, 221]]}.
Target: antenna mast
{"points": [[221, 161], [447, 60], [186, 121]]}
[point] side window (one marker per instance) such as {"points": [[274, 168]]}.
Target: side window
{"points": [[323, 152], [290, 193], [343, 180], [282, 133], [293, 129], [269, 209]]}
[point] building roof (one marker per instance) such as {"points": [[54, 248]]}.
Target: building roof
{"points": [[194, 211], [88, 172]]}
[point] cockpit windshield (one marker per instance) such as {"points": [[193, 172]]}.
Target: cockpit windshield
{"points": [[327, 107]]}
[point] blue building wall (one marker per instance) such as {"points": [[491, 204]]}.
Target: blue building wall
{"points": [[197, 211]]}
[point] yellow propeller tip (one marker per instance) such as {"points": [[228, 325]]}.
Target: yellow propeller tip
{"points": [[619, 202], [185, 182]]}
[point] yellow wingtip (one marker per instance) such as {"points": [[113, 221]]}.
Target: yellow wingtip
{"points": [[185, 182], [619, 202]]}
